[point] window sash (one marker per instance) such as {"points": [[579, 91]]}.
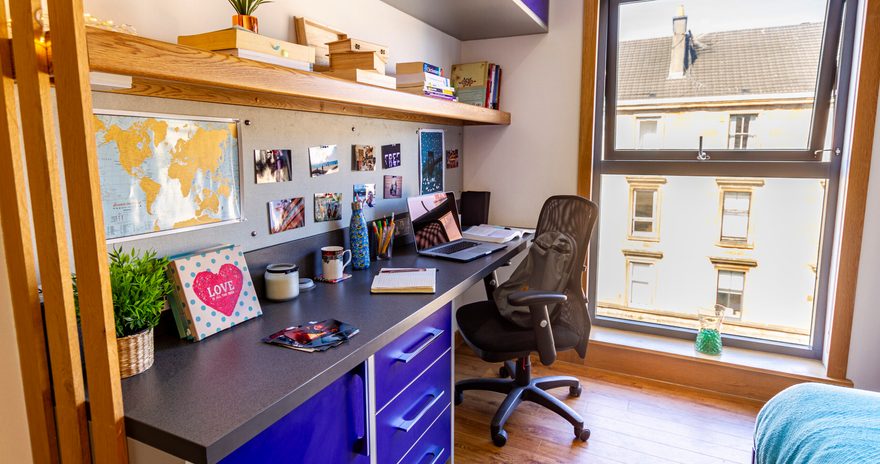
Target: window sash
{"points": [[641, 284], [821, 102], [735, 217], [640, 219]]}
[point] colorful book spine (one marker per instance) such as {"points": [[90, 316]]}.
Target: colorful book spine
{"points": [[431, 69]]}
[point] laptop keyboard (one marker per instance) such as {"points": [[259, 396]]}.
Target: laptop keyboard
{"points": [[455, 247]]}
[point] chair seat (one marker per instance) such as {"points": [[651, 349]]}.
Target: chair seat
{"points": [[497, 339]]}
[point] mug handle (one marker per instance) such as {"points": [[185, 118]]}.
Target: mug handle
{"points": [[346, 263]]}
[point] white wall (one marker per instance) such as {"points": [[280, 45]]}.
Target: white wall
{"points": [[14, 436], [536, 156], [863, 368], [408, 39]]}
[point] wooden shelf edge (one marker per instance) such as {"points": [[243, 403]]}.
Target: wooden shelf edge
{"points": [[167, 70]]}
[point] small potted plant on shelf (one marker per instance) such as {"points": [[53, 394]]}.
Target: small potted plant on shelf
{"points": [[139, 287], [245, 13]]}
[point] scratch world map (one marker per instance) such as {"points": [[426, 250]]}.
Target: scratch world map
{"points": [[163, 174]]}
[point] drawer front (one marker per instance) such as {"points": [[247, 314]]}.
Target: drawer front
{"points": [[435, 446], [405, 419], [406, 357]]}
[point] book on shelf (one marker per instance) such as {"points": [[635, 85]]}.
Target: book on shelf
{"points": [[365, 76], [267, 58], [414, 67], [243, 39], [477, 83], [405, 280], [358, 60], [494, 234], [422, 78], [356, 45], [430, 93], [426, 87]]}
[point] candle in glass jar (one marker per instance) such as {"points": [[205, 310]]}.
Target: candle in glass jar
{"points": [[282, 281]]}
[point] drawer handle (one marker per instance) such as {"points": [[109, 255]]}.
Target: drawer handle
{"points": [[436, 455], [407, 425], [407, 357]]}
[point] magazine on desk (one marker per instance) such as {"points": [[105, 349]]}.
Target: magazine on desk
{"points": [[314, 336], [494, 234]]}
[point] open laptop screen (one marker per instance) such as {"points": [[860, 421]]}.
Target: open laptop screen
{"points": [[434, 218]]}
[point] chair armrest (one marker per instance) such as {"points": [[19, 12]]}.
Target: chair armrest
{"points": [[537, 301], [535, 297]]}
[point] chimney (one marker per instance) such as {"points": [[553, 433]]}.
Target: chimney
{"points": [[679, 30]]}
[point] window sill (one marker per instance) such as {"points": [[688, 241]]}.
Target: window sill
{"points": [[737, 245], [737, 371]]}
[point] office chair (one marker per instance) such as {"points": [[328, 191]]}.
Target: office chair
{"points": [[495, 339]]}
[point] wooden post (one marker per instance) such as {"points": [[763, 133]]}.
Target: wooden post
{"points": [[15, 221], [52, 251], [70, 63], [588, 98]]}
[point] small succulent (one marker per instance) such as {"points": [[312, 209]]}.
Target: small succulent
{"points": [[247, 7]]}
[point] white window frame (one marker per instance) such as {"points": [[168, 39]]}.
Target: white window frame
{"points": [[644, 184], [733, 132]]}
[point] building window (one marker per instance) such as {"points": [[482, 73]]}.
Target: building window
{"points": [[735, 216], [649, 133], [641, 284], [731, 286], [644, 208], [740, 134]]}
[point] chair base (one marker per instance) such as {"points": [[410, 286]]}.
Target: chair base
{"points": [[523, 388]]}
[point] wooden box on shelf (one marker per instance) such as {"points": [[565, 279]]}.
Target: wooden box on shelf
{"points": [[238, 38], [356, 45], [372, 61], [317, 36]]}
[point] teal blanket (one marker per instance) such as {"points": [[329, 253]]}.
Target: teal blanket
{"points": [[816, 423]]}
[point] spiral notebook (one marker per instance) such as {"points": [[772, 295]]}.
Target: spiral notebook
{"points": [[405, 280]]}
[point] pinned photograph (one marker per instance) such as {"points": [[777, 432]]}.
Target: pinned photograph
{"points": [[363, 158], [451, 159], [328, 207], [390, 156], [366, 194], [393, 187], [271, 166], [323, 160], [286, 214], [430, 161]]}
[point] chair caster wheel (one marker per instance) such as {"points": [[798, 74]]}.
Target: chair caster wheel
{"points": [[503, 372], [575, 391], [459, 397], [499, 438], [581, 433]]}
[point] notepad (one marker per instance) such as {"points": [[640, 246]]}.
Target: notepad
{"points": [[405, 280]]}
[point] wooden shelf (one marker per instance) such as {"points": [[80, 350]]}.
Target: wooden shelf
{"points": [[166, 70]]}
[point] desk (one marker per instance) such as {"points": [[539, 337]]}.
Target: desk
{"points": [[201, 401]]}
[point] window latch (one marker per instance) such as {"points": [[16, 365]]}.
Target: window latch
{"points": [[836, 152], [702, 155]]}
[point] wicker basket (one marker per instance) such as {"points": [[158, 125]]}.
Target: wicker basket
{"points": [[135, 353]]}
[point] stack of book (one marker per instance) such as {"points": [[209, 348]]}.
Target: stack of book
{"points": [[478, 83], [360, 61], [243, 43], [424, 79]]}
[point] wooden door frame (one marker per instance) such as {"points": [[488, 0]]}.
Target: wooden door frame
{"points": [[855, 189]]}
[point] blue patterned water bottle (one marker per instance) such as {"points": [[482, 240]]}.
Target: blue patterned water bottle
{"points": [[359, 238]]}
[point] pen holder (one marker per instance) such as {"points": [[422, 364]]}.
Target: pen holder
{"points": [[384, 253]]}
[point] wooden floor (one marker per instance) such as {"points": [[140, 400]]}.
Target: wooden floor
{"points": [[632, 421]]}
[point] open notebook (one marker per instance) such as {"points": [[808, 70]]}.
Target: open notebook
{"points": [[405, 280]]}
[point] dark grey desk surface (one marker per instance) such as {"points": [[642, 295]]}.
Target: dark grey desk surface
{"points": [[200, 401]]}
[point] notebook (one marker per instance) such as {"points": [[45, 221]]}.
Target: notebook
{"points": [[494, 234], [405, 280]]}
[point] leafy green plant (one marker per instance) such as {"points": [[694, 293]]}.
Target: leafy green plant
{"points": [[139, 287], [247, 7]]}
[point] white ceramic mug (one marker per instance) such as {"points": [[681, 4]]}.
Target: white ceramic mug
{"points": [[333, 261]]}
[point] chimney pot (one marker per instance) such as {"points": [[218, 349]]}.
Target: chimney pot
{"points": [[679, 30]]}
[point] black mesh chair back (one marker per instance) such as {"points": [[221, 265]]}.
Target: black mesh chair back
{"points": [[576, 217]]}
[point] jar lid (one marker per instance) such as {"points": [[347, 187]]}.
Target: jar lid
{"points": [[306, 284], [282, 268]]}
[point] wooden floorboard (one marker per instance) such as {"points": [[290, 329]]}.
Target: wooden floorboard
{"points": [[632, 421]]}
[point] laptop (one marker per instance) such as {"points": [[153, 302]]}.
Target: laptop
{"points": [[437, 230]]}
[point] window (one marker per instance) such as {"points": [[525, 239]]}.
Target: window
{"points": [[677, 75], [739, 134], [641, 284], [731, 285], [735, 216], [644, 209], [649, 133]]}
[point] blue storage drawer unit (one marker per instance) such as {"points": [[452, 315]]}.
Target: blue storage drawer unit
{"points": [[435, 446], [410, 414], [402, 360]]}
